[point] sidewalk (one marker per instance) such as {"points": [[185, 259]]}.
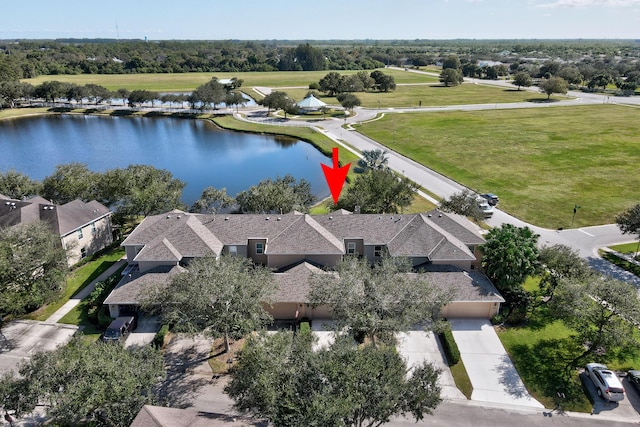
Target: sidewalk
{"points": [[75, 300]]}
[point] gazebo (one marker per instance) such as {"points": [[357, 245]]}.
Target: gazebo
{"points": [[310, 103]]}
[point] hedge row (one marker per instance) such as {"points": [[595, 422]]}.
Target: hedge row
{"points": [[450, 346]]}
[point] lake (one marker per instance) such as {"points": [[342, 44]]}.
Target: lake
{"points": [[195, 151]]}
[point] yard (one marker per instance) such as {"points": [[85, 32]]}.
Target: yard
{"points": [[540, 161], [540, 351]]}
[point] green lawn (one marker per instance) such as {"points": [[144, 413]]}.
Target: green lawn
{"points": [[77, 279], [184, 82], [21, 112], [622, 263], [625, 248], [540, 350], [431, 95], [541, 162]]}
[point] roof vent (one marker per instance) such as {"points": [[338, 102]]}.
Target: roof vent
{"points": [[267, 218], [278, 219], [439, 215], [330, 217], [7, 203], [179, 216], [168, 216], [13, 203], [226, 218], [429, 215]]}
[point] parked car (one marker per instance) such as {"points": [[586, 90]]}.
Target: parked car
{"points": [[485, 207], [491, 198], [119, 329], [633, 377], [607, 383]]}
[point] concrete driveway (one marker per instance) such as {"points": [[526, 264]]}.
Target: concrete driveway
{"points": [[627, 409], [20, 339], [419, 346], [492, 374], [144, 332]]}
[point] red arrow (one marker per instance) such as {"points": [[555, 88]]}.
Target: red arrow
{"points": [[335, 176]]}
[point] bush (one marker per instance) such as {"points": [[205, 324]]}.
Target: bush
{"points": [[103, 316], [158, 340], [305, 328], [450, 346], [314, 86]]}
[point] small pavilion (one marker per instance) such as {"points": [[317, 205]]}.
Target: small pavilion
{"points": [[310, 103]]}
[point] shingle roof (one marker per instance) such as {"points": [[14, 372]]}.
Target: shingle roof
{"points": [[63, 219], [130, 288], [438, 237], [467, 286], [294, 282]]}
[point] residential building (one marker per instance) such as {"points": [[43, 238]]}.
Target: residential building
{"points": [[84, 228], [442, 246]]}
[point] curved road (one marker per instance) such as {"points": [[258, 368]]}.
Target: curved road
{"points": [[586, 240]]}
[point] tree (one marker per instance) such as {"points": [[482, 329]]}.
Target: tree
{"points": [[451, 77], [96, 93], [451, 62], [377, 301], [310, 58], [571, 74], [280, 378], [234, 99], [600, 80], [553, 85], [629, 222], [212, 200], [69, 182], [210, 94], [522, 78], [509, 257], [17, 185], [383, 82], [602, 311], [374, 159], [277, 100], [32, 267], [80, 382], [49, 91], [149, 191], [378, 191], [219, 297], [332, 84], [464, 203], [348, 101], [560, 262], [138, 97], [281, 195], [11, 91]]}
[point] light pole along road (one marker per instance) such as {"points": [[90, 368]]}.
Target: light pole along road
{"points": [[585, 240]]}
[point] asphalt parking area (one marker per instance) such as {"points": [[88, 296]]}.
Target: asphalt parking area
{"points": [[20, 339]]}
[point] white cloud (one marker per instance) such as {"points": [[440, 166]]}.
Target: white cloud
{"points": [[588, 3]]}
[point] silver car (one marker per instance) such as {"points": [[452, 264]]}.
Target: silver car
{"points": [[606, 381]]}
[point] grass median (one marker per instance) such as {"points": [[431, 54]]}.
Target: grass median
{"points": [[540, 161]]}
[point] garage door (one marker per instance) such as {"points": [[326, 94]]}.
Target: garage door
{"points": [[468, 309]]}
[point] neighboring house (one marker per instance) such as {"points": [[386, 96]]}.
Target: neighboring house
{"points": [[84, 228], [296, 245]]}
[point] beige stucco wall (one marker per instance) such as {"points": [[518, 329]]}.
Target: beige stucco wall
{"points": [[91, 241]]}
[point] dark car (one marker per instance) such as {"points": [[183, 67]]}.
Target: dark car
{"points": [[119, 329], [491, 198], [633, 377]]}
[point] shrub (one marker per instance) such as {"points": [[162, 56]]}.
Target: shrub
{"points": [[450, 346], [314, 86], [103, 316], [158, 340], [305, 328]]}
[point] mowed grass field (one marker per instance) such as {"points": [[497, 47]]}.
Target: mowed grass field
{"points": [[541, 162], [433, 95], [186, 82]]}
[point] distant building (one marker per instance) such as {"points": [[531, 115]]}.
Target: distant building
{"points": [[84, 228], [310, 103]]}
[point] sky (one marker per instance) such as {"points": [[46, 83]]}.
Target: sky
{"points": [[320, 20]]}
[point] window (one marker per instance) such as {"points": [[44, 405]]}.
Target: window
{"points": [[259, 248], [377, 251], [80, 234], [83, 253], [93, 228], [472, 248], [233, 250], [351, 248]]}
